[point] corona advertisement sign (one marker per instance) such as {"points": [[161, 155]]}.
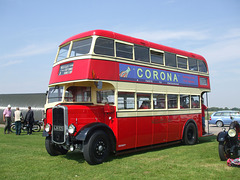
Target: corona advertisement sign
{"points": [[151, 75]]}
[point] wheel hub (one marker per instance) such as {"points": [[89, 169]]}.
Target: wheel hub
{"points": [[100, 148]]}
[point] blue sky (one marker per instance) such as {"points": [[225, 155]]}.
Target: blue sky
{"points": [[32, 30]]}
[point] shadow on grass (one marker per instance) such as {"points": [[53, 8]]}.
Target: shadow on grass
{"points": [[78, 156], [207, 139]]}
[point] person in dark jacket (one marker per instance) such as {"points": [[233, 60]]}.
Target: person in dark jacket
{"points": [[29, 118]]}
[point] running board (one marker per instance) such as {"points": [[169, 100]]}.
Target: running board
{"points": [[147, 148]]}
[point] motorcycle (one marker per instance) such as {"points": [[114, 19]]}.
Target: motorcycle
{"points": [[36, 126], [229, 142]]}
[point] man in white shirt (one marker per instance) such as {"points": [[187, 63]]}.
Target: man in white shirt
{"points": [[18, 117]]}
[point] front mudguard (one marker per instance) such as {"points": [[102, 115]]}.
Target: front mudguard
{"points": [[222, 136]]}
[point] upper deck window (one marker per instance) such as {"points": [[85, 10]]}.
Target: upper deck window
{"points": [[124, 50], [104, 46], [81, 47], [202, 66], [182, 62], [63, 52], [156, 57], [141, 53], [170, 59], [193, 65]]}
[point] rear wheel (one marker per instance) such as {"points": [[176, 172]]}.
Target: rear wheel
{"points": [[190, 134], [219, 124], [223, 151], [97, 149], [36, 128], [54, 149]]}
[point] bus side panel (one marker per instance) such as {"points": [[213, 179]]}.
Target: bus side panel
{"points": [[126, 133], [199, 124], [160, 127], [173, 128], [144, 131], [197, 119]]}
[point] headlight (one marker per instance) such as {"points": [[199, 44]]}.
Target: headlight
{"points": [[71, 129], [232, 132], [48, 127]]}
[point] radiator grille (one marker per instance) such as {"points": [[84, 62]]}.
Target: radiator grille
{"points": [[58, 134]]}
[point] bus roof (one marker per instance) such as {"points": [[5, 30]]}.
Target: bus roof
{"points": [[113, 35]]}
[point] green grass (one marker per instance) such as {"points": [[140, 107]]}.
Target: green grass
{"points": [[25, 157]]}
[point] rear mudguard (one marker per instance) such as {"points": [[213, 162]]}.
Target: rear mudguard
{"points": [[221, 137]]}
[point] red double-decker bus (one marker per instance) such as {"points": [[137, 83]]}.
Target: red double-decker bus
{"points": [[110, 92]]}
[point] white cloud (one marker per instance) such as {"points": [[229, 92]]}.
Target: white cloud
{"points": [[171, 35], [30, 50], [224, 50], [10, 63]]}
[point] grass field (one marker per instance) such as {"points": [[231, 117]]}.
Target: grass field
{"points": [[25, 157]]}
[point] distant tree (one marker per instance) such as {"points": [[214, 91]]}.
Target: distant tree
{"points": [[220, 109], [236, 109]]}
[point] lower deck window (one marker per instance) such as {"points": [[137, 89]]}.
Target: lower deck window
{"points": [[55, 94], [78, 94], [105, 97], [172, 101], [184, 101], [195, 101], [159, 101], [126, 100], [143, 101]]}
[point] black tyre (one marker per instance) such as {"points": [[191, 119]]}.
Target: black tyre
{"points": [[54, 149], [219, 124], [223, 151], [190, 134], [36, 128], [13, 128], [97, 148]]}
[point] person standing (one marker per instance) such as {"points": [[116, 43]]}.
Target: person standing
{"points": [[18, 117], [7, 118], [29, 118], [203, 117]]}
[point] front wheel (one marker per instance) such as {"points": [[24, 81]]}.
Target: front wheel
{"points": [[13, 128], [97, 149], [54, 149], [36, 128], [223, 151], [190, 134]]}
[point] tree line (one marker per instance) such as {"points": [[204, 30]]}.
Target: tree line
{"points": [[223, 109]]}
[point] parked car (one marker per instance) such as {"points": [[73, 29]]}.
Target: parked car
{"points": [[221, 118]]}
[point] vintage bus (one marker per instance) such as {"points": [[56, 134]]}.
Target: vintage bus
{"points": [[110, 93]]}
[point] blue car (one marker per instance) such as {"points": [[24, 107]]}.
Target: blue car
{"points": [[221, 118]]}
